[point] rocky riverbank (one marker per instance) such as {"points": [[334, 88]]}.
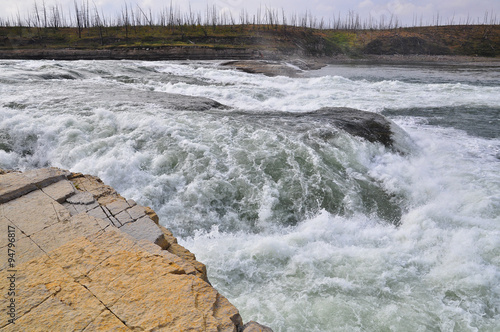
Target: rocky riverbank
{"points": [[238, 57], [78, 256], [131, 53]]}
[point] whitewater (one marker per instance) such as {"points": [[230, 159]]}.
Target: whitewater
{"points": [[302, 226]]}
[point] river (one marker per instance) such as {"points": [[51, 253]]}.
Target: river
{"points": [[302, 226]]}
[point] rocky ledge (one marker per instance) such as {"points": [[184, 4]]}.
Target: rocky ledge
{"points": [[76, 256]]}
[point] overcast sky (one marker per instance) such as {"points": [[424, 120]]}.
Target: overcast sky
{"points": [[405, 10]]}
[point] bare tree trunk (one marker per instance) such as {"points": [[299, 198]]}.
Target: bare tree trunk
{"points": [[78, 20], [148, 21], [125, 19], [44, 14], [99, 24], [38, 22]]}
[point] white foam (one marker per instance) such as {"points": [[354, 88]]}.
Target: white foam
{"points": [[305, 94], [206, 176]]}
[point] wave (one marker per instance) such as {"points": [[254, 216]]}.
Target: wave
{"points": [[302, 226]]}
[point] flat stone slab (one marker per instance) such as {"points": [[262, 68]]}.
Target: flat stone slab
{"points": [[117, 206], [107, 321], [7, 226], [136, 212], [98, 263], [25, 250], [110, 282], [34, 211], [124, 218], [98, 212], [50, 299], [14, 185], [60, 190], [59, 234], [145, 229], [81, 197], [44, 176]]}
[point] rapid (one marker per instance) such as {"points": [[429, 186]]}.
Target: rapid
{"points": [[302, 226]]}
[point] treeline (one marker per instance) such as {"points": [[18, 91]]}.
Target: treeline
{"points": [[85, 14]]}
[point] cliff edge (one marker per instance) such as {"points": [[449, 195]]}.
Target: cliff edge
{"points": [[76, 256]]}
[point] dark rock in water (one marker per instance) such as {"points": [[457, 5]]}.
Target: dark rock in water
{"points": [[306, 64], [368, 125], [308, 141], [289, 68], [167, 100], [268, 68]]}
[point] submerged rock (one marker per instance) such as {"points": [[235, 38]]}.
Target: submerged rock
{"points": [[288, 68], [172, 101], [87, 259], [368, 125], [268, 68]]}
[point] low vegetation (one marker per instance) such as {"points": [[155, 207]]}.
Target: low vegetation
{"points": [[88, 28]]}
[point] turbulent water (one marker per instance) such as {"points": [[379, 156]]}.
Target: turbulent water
{"points": [[302, 226]]}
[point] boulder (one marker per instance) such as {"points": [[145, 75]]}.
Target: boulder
{"points": [[169, 101], [368, 125], [371, 126]]}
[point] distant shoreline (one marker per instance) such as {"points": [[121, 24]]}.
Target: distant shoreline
{"points": [[408, 59], [131, 53], [168, 53]]}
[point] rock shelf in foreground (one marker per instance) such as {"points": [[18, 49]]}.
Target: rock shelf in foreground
{"points": [[87, 259]]}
